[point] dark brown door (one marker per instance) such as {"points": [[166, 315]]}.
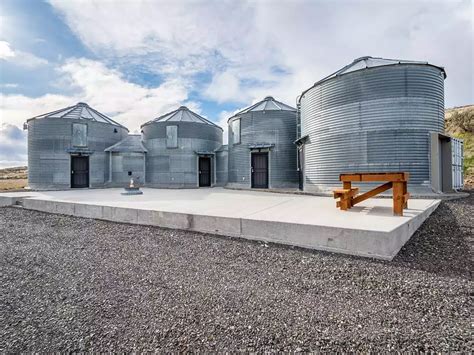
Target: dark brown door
{"points": [[260, 170], [79, 172], [204, 171], [301, 168]]}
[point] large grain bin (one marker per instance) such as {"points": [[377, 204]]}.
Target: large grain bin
{"points": [[66, 148], [261, 149], [181, 150], [372, 115]]}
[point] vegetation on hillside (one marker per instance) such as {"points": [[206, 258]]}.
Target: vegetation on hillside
{"points": [[459, 122]]}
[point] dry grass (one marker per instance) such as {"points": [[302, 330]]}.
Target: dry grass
{"points": [[13, 184]]}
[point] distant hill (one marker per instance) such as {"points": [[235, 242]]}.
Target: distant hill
{"points": [[19, 172], [459, 122]]}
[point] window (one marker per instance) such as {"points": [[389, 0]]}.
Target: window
{"points": [[79, 135], [171, 136], [236, 131]]}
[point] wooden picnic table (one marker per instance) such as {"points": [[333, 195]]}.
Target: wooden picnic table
{"points": [[397, 181]]}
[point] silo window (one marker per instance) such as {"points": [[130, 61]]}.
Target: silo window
{"points": [[79, 135], [171, 136], [236, 131]]}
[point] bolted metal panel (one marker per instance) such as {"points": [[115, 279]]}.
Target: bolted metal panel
{"points": [[275, 129], [50, 148], [178, 167], [375, 119]]}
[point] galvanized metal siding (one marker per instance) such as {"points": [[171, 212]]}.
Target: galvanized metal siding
{"points": [[222, 167], [49, 140], [122, 163], [375, 119], [177, 167], [274, 127]]}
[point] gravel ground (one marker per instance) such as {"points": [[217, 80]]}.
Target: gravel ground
{"points": [[73, 284]]}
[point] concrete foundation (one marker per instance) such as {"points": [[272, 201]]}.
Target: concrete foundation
{"points": [[313, 222]]}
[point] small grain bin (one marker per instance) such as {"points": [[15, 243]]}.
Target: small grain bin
{"points": [[374, 115], [127, 160], [66, 148], [181, 150], [261, 149]]}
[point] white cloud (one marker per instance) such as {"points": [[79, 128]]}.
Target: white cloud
{"points": [[20, 58], [104, 89], [12, 146], [245, 45], [6, 50]]}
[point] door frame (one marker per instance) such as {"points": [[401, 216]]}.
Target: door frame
{"points": [[88, 170], [210, 170], [260, 151]]}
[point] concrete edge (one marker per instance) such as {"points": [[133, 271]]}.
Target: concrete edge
{"points": [[372, 244]]}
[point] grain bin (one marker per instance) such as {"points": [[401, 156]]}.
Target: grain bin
{"points": [[66, 148], [181, 150], [373, 115], [261, 149]]}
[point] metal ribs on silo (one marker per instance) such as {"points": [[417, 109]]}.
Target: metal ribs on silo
{"points": [[374, 119]]}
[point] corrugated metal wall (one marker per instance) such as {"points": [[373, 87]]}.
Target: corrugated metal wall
{"points": [[122, 163], [375, 119], [49, 142], [457, 150], [274, 127], [177, 167], [222, 166]]}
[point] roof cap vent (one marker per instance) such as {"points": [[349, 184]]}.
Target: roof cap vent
{"points": [[81, 104], [362, 58], [183, 108], [268, 98]]}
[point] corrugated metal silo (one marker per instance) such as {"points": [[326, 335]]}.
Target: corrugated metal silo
{"points": [[261, 149], [372, 115], [66, 148], [181, 149]]}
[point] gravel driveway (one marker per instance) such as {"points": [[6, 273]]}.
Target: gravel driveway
{"points": [[74, 284]]}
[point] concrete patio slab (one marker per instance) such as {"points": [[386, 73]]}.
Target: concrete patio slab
{"points": [[369, 229]]}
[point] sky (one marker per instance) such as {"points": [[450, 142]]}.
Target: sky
{"points": [[136, 60]]}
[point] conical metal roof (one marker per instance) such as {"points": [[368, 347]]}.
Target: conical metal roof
{"points": [[267, 104], [182, 114], [80, 111], [370, 62]]}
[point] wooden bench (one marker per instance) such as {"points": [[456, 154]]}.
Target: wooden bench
{"points": [[397, 181]]}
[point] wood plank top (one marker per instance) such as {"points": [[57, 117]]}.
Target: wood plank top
{"points": [[375, 176]]}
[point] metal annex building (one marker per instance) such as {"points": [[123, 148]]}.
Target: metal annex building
{"points": [[127, 159], [374, 114], [181, 150], [262, 153], [66, 148]]}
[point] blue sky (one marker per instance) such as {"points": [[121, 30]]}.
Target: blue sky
{"points": [[136, 60]]}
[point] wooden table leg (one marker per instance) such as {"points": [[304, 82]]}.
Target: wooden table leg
{"points": [[398, 199], [347, 185], [405, 190]]}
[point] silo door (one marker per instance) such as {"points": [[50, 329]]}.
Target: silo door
{"points": [[79, 172], [260, 170], [301, 168], [204, 171]]}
